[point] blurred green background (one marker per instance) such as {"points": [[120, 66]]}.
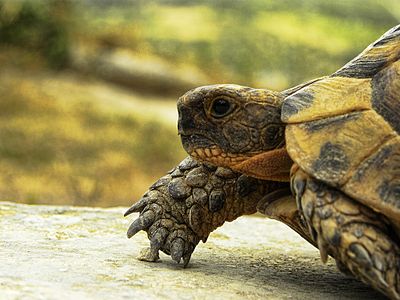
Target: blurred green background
{"points": [[88, 88]]}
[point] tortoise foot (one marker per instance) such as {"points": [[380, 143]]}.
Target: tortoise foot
{"points": [[165, 229], [163, 214], [351, 233], [187, 204]]}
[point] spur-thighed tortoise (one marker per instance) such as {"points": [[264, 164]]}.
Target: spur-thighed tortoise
{"points": [[336, 139]]}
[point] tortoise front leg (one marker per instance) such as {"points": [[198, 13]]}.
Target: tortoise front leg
{"points": [[184, 206], [353, 234]]}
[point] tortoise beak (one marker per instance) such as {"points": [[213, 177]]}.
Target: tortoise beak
{"points": [[186, 119]]}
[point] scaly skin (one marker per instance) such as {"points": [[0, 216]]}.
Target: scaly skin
{"points": [[217, 126], [184, 206], [356, 236]]}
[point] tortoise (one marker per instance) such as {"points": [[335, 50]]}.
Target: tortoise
{"points": [[323, 157]]}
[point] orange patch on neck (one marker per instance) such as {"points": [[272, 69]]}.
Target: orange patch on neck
{"points": [[271, 165]]}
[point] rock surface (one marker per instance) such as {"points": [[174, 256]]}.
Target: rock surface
{"points": [[60, 252]]}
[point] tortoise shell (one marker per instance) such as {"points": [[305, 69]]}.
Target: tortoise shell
{"points": [[344, 129]]}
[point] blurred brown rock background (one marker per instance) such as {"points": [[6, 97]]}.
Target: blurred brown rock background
{"points": [[88, 88]]}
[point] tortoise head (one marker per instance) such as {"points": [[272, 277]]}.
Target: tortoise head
{"points": [[233, 126]]}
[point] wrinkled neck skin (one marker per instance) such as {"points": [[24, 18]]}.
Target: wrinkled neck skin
{"points": [[271, 165], [249, 139]]}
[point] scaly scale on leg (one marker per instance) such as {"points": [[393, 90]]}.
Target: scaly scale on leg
{"points": [[353, 234], [184, 206]]}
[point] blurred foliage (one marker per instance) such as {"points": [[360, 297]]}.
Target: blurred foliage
{"points": [[71, 150], [39, 26], [66, 137], [253, 42]]}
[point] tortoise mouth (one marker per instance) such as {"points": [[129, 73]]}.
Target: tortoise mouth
{"points": [[191, 142], [217, 156], [203, 149]]}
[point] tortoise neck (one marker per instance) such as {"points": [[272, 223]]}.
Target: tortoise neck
{"points": [[271, 165]]}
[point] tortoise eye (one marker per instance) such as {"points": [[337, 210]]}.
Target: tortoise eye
{"points": [[220, 108]]}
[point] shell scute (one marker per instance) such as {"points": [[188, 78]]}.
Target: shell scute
{"points": [[328, 97], [376, 181], [331, 149], [347, 134]]}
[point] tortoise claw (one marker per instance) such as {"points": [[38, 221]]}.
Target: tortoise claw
{"points": [[186, 260], [177, 249], [322, 246], [299, 186], [141, 223], [137, 207], [188, 255], [158, 239]]}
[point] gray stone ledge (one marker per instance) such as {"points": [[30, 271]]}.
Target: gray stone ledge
{"points": [[60, 252]]}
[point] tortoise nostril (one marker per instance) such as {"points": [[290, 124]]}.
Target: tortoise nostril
{"points": [[185, 120]]}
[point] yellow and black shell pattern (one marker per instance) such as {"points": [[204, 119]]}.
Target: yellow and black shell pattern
{"points": [[344, 129]]}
